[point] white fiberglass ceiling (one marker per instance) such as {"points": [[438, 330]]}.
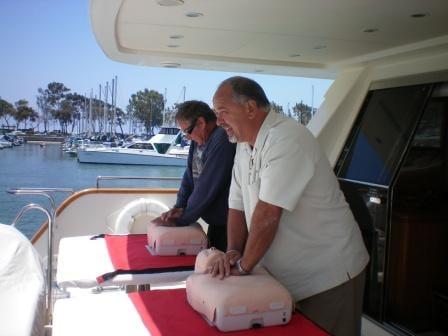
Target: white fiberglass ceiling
{"points": [[288, 37]]}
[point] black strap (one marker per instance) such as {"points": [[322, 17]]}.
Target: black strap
{"points": [[101, 235], [110, 275]]}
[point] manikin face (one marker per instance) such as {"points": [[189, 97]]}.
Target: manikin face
{"points": [[231, 115]]}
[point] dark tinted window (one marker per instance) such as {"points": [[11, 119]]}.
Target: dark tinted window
{"points": [[140, 145], [417, 279], [169, 130], [383, 128]]}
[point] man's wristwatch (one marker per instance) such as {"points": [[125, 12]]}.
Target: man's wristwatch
{"points": [[241, 270]]}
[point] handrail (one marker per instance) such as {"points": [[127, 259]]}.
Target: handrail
{"points": [[152, 178], [41, 191], [49, 300], [51, 221], [70, 190]]}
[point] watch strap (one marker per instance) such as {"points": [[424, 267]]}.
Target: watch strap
{"points": [[240, 269]]}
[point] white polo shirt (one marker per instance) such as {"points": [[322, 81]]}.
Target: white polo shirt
{"points": [[318, 244]]}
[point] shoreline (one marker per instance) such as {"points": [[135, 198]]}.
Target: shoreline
{"points": [[44, 138], [40, 142]]}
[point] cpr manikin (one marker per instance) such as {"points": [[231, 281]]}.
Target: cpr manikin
{"points": [[182, 240], [237, 302]]}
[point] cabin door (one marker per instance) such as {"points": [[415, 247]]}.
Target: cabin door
{"points": [[394, 173]]}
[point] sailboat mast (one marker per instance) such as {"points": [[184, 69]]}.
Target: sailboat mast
{"points": [[112, 107], [164, 108], [100, 105], [114, 103], [83, 118], [89, 124], [106, 111]]}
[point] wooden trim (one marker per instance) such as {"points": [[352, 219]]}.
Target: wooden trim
{"points": [[69, 200]]}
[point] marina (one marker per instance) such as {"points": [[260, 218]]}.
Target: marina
{"points": [[31, 165]]}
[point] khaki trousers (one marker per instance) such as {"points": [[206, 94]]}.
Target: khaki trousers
{"points": [[337, 310]]}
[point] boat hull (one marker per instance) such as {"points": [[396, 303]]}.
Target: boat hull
{"points": [[141, 158]]}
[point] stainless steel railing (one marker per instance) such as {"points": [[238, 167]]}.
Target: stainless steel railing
{"points": [[150, 178], [51, 216], [49, 301], [41, 191]]}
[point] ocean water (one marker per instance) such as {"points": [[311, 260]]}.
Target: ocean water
{"points": [[33, 166]]}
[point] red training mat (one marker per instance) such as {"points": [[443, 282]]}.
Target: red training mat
{"points": [[167, 312], [129, 252]]}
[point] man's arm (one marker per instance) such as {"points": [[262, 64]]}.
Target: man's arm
{"points": [[236, 231], [236, 240], [263, 228], [251, 245]]}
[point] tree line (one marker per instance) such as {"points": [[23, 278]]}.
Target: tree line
{"points": [[76, 113], [300, 111]]}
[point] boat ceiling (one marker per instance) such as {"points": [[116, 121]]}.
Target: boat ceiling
{"points": [[310, 38]]}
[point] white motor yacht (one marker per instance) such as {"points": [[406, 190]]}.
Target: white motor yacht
{"points": [[154, 152]]}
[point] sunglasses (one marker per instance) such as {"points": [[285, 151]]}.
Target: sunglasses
{"points": [[190, 128]]}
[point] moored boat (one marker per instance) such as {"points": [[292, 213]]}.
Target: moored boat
{"points": [[137, 153], [155, 152]]}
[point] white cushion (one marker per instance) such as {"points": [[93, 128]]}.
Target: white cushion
{"points": [[81, 261], [22, 285]]}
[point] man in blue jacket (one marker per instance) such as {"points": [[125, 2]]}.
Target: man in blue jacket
{"points": [[204, 190]]}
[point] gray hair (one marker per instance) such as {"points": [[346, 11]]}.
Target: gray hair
{"points": [[244, 89]]}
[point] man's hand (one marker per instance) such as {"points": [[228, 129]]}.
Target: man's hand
{"points": [[160, 222], [172, 214], [223, 266], [168, 218]]}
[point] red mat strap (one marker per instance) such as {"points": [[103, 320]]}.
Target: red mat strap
{"points": [[167, 312], [129, 252]]}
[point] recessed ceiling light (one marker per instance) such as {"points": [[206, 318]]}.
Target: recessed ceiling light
{"points": [[319, 47], [194, 14], [170, 3], [176, 37], [419, 15], [170, 64], [172, 45], [370, 30], [294, 55]]}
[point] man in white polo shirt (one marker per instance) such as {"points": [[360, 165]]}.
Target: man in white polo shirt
{"points": [[287, 212]]}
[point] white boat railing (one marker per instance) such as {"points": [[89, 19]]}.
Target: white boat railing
{"points": [[150, 178]]}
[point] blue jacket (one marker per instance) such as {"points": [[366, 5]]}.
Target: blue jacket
{"points": [[207, 197]]}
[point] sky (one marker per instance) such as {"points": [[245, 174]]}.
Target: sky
{"points": [[52, 41]]}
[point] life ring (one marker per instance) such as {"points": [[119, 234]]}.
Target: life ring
{"points": [[126, 217]]}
